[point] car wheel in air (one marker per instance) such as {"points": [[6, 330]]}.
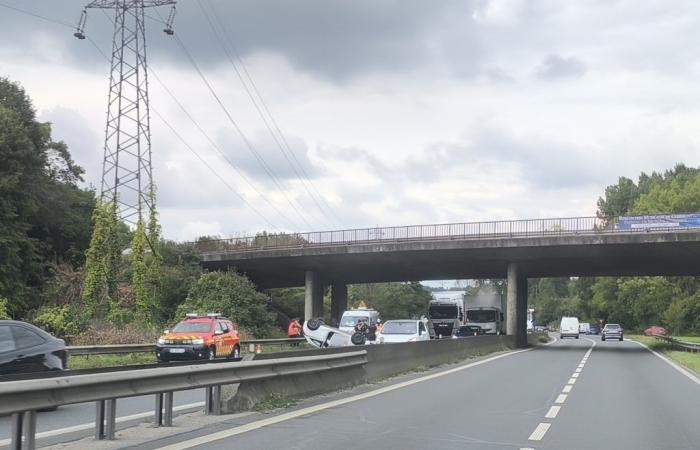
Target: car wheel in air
{"points": [[236, 354], [358, 338], [314, 324], [211, 354]]}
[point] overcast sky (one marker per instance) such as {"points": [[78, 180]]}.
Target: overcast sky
{"points": [[400, 112]]}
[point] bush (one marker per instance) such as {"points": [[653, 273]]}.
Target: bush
{"points": [[109, 334], [232, 295], [4, 313], [57, 320]]}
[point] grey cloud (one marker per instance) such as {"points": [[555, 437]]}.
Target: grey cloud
{"points": [[334, 40], [555, 67], [283, 167]]}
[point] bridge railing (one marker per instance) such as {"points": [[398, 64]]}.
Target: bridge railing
{"points": [[465, 230]]}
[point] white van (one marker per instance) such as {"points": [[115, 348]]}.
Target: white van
{"points": [[352, 316], [569, 327]]}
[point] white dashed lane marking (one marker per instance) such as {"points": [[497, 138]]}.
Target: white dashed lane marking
{"points": [[561, 398], [571, 381], [552, 413], [540, 431], [567, 388]]}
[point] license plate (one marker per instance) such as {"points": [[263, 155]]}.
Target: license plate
{"points": [[177, 350]]}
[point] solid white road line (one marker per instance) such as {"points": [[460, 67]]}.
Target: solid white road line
{"points": [[567, 388], [680, 369], [88, 426], [539, 432], [332, 404], [552, 413], [561, 398]]}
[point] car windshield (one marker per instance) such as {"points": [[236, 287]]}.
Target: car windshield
{"points": [[612, 326], [407, 327], [351, 321], [481, 315], [187, 327], [442, 312]]}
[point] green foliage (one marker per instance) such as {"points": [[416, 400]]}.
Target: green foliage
{"points": [[232, 295], [139, 274], [392, 300], [44, 216], [4, 312], [57, 320], [102, 258]]}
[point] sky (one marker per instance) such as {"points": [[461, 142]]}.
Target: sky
{"points": [[382, 112]]}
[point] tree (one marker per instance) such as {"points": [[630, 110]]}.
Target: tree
{"points": [[232, 295], [44, 216]]}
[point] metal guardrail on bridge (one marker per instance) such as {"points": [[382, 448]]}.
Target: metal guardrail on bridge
{"points": [[23, 398], [676, 344], [466, 230]]}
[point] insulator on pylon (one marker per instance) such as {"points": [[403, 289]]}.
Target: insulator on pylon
{"points": [[169, 23], [80, 29]]}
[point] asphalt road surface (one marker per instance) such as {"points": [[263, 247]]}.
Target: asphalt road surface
{"points": [[572, 394]]}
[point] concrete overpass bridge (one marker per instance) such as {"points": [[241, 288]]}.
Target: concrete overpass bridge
{"points": [[516, 250]]}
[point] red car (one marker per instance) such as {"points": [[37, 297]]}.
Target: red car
{"points": [[655, 331]]}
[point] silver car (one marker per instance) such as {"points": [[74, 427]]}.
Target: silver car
{"points": [[611, 331]]}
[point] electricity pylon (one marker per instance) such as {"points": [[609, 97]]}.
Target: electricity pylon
{"points": [[127, 175]]}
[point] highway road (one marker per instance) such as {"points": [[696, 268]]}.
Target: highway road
{"points": [[573, 394]]}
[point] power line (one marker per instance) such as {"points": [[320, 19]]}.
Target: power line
{"points": [[303, 177], [247, 142], [184, 142]]}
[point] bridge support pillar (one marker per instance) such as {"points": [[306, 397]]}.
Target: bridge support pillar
{"points": [[313, 298], [516, 307], [339, 302]]}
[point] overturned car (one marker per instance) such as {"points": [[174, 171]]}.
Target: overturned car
{"points": [[320, 335]]}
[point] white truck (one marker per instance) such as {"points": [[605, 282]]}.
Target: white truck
{"points": [[446, 313], [487, 312]]}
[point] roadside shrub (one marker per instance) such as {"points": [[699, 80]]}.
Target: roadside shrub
{"points": [[57, 320], [4, 313], [108, 334]]}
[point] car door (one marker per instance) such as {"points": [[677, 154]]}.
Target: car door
{"points": [[28, 352]]}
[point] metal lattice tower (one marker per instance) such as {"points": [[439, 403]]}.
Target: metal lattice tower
{"points": [[127, 175]]}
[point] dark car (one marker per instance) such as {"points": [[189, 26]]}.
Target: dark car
{"points": [[25, 348], [612, 331], [594, 329], [469, 330]]}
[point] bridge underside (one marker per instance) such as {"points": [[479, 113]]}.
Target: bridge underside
{"points": [[664, 253]]}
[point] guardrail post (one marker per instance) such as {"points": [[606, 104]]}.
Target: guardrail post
{"points": [[213, 401], [99, 419], [158, 419], [110, 418], [16, 430], [168, 409], [29, 428]]}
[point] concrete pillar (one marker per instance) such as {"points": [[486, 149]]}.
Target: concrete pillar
{"points": [[511, 298], [516, 305], [313, 298], [339, 301]]}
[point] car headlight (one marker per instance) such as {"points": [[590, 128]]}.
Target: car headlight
{"points": [[198, 341], [161, 341]]}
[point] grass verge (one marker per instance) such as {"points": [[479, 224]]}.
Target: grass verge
{"points": [[97, 361], [688, 360], [275, 401]]}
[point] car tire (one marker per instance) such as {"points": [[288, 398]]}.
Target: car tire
{"points": [[314, 323], [576, 337], [211, 354], [236, 353], [621, 338], [561, 337], [602, 338], [358, 338]]}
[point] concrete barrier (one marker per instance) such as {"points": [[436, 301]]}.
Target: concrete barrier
{"points": [[384, 360]]}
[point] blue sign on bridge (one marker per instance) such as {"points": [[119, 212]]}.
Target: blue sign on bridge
{"points": [[659, 221]]}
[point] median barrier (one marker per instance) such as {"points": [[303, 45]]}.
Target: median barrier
{"points": [[383, 360]]}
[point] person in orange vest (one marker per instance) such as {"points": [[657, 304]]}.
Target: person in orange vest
{"points": [[294, 329]]}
